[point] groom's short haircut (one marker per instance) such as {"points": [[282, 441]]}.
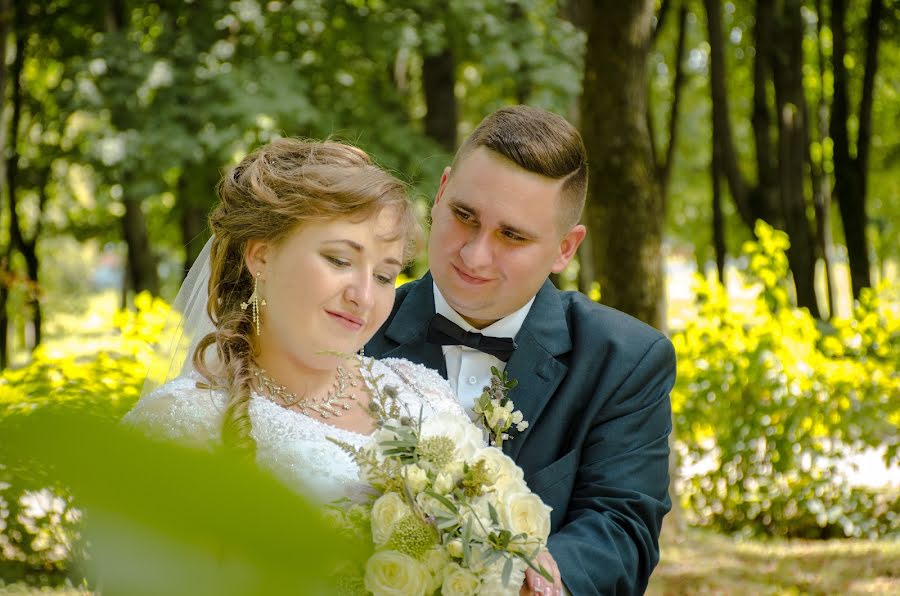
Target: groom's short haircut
{"points": [[537, 141]]}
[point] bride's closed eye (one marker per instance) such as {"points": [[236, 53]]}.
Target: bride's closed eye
{"points": [[337, 261], [385, 279]]}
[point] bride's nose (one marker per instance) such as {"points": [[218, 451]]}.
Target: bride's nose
{"points": [[361, 291]]}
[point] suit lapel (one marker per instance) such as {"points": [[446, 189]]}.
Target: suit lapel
{"points": [[544, 335], [409, 326]]}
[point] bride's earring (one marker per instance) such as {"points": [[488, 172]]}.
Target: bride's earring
{"points": [[362, 352], [254, 302]]}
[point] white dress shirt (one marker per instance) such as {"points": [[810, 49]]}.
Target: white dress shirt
{"points": [[468, 370]]}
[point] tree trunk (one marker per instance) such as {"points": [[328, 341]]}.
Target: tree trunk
{"points": [[850, 172], [141, 259], [518, 17], [721, 113], [4, 317], [718, 220], [438, 81], [665, 163], [625, 216], [11, 175], [793, 143], [32, 262], [778, 197], [5, 20], [819, 179], [194, 204], [764, 197]]}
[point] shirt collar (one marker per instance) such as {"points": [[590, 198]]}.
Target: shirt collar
{"points": [[508, 326]]}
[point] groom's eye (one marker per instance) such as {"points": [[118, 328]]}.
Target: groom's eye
{"points": [[510, 235], [463, 215]]}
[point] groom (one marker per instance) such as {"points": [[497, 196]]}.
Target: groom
{"points": [[593, 383]]}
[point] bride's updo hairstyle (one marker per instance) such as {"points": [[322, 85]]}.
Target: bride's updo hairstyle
{"points": [[267, 196]]}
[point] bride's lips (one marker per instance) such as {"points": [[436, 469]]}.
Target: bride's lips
{"points": [[346, 319], [468, 277]]}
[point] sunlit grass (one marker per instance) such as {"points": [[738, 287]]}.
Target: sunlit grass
{"points": [[703, 563], [86, 331]]}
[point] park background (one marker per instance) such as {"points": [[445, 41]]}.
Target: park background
{"points": [[744, 198]]}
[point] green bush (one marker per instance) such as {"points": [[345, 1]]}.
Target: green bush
{"points": [[39, 537], [776, 399]]}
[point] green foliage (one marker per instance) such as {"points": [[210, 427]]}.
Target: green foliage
{"points": [[40, 540], [776, 400], [104, 385], [166, 519], [158, 515]]}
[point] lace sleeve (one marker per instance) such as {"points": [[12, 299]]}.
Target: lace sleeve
{"points": [[179, 411], [428, 383]]}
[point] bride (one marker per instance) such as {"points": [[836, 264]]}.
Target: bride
{"points": [[308, 240]]}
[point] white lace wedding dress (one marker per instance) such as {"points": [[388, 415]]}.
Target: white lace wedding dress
{"points": [[292, 445]]}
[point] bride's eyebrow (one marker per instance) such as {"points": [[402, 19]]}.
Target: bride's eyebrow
{"points": [[359, 248]]}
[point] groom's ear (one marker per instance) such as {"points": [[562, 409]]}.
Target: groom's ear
{"points": [[445, 177], [255, 255]]}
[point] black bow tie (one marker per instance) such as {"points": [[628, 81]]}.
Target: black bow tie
{"points": [[444, 332]]}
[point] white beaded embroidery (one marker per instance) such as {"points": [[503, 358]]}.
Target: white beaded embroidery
{"points": [[294, 446]]}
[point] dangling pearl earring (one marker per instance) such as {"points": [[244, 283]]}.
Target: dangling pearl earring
{"points": [[255, 302]]}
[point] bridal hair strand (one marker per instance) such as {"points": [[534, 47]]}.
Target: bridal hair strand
{"points": [[267, 196]]}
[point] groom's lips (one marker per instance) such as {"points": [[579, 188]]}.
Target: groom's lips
{"points": [[468, 277], [346, 319]]}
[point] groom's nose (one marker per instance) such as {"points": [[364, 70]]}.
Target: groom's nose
{"points": [[477, 252]]}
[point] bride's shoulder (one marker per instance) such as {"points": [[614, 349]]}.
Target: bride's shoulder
{"points": [[181, 409]]}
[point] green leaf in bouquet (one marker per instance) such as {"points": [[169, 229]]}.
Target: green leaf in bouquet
{"points": [[445, 523], [502, 539], [405, 443], [495, 518], [530, 562], [491, 556], [166, 519], [467, 542], [507, 571], [443, 501]]}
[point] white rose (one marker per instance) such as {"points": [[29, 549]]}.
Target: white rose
{"points": [[500, 466], [416, 478], [435, 561], [524, 512], [455, 548], [465, 435], [492, 580], [517, 417], [390, 573], [459, 582], [443, 483], [386, 512]]}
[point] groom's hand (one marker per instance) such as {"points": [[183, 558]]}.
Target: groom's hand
{"points": [[535, 583]]}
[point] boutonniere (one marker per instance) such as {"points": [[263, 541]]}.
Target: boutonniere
{"points": [[496, 411]]}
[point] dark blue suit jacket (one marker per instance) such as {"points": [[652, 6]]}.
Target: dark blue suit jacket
{"points": [[594, 386]]}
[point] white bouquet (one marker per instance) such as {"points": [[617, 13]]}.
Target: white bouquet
{"points": [[447, 516]]}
